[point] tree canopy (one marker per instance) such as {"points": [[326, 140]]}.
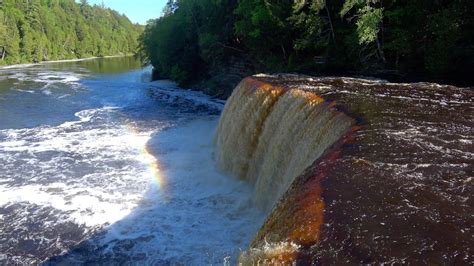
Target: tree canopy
{"points": [[40, 30], [426, 39]]}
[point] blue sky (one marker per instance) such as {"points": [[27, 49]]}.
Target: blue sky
{"points": [[138, 11]]}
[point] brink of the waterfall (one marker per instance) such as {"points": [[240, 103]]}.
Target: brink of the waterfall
{"points": [[352, 170]]}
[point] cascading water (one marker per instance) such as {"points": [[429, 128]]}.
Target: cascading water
{"points": [[98, 167], [269, 135], [396, 188]]}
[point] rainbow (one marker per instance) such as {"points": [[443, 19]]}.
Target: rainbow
{"points": [[147, 158]]}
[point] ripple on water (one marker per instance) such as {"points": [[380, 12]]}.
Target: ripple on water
{"points": [[90, 189]]}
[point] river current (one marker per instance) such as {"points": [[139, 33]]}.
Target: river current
{"points": [[97, 164]]}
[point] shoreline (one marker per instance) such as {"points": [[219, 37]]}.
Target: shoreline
{"points": [[62, 61]]}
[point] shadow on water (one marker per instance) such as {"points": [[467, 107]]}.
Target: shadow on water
{"points": [[106, 65]]}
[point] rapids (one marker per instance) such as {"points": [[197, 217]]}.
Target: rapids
{"points": [[98, 165], [396, 188]]}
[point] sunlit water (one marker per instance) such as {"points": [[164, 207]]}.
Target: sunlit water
{"points": [[98, 165]]}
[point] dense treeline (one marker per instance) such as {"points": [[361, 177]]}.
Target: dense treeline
{"points": [[421, 39], [39, 30]]}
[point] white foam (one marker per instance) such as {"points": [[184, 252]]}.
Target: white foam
{"points": [[206, 216], [98, 174], [95, 172], [86, 196], [28, 91], [45, 81]]}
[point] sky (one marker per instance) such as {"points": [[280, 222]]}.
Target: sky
{"points": [[138, 11]]}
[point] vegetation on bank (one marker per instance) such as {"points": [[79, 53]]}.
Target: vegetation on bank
{"points": [[41, 30], [425, 39]]}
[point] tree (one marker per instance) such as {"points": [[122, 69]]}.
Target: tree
{"points": [[37, 30], [3, 36], [423, 38], [170, 8], [369, 15], [265, 30]]}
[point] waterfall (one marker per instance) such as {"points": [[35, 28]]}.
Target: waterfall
{"points": [[340, 192], [268, 135]]}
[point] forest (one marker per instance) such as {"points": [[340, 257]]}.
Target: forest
{"points": [[196, 40], [42, 30]]}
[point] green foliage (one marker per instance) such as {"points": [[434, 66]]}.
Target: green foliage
{"points": [[422, 39], [38, 30], [191, 35], [310, 26], [368, 24], [265, 30], [445, 27]]}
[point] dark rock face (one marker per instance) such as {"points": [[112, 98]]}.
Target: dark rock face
{"points": [[398, 191], [223, 77]]}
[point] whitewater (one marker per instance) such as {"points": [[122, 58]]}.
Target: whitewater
{"points": [[97, 164]]}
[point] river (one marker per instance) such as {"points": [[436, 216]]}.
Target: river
{"points": [[97, 164]]}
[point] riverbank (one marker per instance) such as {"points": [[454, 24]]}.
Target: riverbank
{"points": [[61, 61]]}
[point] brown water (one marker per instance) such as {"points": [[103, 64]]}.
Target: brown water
{"points": [[268, 136], [401, 190]]}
